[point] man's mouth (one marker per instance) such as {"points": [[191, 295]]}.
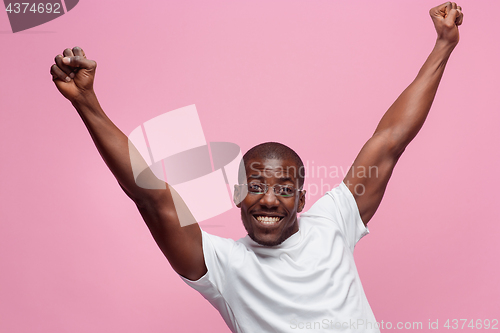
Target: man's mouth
{"points": [[268, 220]]}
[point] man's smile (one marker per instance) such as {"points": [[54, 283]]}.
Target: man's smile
{"points": [[268, 220]]}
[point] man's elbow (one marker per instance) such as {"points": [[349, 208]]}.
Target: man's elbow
{"points": [[394, 142]]}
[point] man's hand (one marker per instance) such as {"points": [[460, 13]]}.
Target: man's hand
{"points": [[447, 17], [73, 74], [401, 123]]}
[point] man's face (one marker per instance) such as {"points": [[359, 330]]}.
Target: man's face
{"points": [[269, 218]]}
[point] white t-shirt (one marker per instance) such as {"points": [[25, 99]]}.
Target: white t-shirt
{"points": [[307, 283]]}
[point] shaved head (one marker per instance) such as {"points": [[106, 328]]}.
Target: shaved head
{"points": [[273, 150]]}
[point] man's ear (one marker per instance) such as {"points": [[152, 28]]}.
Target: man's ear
{"points": [[239, 196], [302, 201]]}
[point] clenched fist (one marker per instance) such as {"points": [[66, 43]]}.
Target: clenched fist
{"points": [[447, 17], [73, 74]]}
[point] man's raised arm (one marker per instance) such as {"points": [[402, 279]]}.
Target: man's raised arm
{"points": [[401, 123], [73, 74]]}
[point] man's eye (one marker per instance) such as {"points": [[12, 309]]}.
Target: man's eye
{"points": [[255, 188], [286, 191]]}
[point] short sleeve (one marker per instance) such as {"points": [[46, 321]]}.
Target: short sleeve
{"points": [[216, 251], [339, 206]]}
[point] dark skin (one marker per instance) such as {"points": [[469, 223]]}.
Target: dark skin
{"points": [[280, 212], [73, 75], [180, 245], [401, 123]]}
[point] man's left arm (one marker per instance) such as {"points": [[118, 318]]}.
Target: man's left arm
{"points": [[368, 177]]}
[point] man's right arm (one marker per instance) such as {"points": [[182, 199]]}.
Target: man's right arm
{"points": [[182, 246]]}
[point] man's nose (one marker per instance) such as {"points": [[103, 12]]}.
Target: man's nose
{"points": [[270, 199]]}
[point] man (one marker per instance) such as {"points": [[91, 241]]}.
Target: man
{"points": [[287, 274]]}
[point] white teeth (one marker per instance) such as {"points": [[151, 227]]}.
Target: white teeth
{"points": [[268, 219]]}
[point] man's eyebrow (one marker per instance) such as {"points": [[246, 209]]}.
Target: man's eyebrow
{"points": [[282, 179], [285, 179]]}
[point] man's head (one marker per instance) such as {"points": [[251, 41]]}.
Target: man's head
{"points": [[275, 176]]}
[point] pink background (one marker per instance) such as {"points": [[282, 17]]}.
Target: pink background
{"points": [[75, 255]]}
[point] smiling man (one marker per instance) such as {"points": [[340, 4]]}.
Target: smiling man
{"points": [[272, 198], [288, 274]]}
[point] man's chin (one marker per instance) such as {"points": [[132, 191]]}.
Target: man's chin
{"points": [[266, 242], [268, 239]]}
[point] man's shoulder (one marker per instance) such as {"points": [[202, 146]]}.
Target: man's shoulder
{"points": [[223, 243], [338, 198]]}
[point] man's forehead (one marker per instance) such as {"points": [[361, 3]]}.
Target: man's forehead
{"points": [[275, 168]]}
